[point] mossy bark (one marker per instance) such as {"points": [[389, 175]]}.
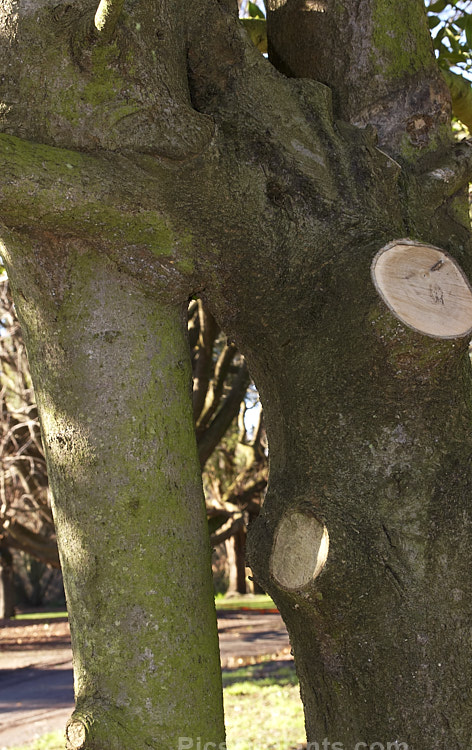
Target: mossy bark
{"points": [[112, 377], [378, 58], [381, 636], [229, 180]]}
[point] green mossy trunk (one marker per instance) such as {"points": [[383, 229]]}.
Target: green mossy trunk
{"points": [[111, 371]]}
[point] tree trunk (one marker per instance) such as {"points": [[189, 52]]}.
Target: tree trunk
{"points": [[165, 157], [7, 591], [381, 636], [112, 376], [240, 555]]}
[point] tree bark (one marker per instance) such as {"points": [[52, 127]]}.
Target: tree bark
{"points": [[201, 168], [110, 365], [376, 56], [380, 636], [7, 591], [239, 541]]}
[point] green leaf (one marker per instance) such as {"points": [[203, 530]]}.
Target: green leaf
{"points": [[453, 40], [437, 7], [437, 40], [254, 10], [433, 21], [468, 30], [453, 58]]}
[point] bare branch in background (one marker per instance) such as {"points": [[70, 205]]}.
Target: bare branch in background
{"points": [[25, 514], [202, 362]]}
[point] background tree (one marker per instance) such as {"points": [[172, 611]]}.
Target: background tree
{"points": [[159, 156], [234, 464], [26, 514]]}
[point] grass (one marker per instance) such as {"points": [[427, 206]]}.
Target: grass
{"points": [[252, 601], [40, 615], [262, 707], [50, 741]]}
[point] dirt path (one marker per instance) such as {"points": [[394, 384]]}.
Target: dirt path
{"points": [[36, 693], [26, 642]]}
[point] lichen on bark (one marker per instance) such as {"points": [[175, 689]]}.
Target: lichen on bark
{"points": [[111, 370]]}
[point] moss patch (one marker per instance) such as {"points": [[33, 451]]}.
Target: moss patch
{"points": [[399, 39]]}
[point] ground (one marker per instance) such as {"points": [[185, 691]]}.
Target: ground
{"points": [[259, 679]]}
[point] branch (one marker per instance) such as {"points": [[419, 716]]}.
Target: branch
{"points": [[41, 547], [53, 186], [425, 288], [228, 532], [258, 433], [204, 360], [208, 441], [131, 94], [449, 176], [216, 387], [240, 90], [244, 496], [108, 201], [376, 57]]}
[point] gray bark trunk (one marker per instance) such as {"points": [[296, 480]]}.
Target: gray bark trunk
{"points": [[381, 636]]}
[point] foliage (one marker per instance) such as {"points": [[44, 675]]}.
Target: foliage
{"points": [[254, 11], [451, 31]]}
